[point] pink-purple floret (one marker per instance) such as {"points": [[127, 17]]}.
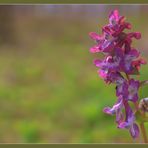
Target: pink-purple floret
{"points": [[119, 57]]}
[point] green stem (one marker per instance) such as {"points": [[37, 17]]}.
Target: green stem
{"points": [[128, 78], [143, 131]]}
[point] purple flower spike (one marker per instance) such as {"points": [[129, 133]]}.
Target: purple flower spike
{"points": [[121, 60]]}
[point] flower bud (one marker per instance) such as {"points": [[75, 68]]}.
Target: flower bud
{"points": [[143, 105]]}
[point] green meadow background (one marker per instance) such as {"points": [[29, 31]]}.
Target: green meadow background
{"points": [[49, 88]]}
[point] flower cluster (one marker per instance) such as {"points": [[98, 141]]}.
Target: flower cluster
{"points": [[120, 61]]}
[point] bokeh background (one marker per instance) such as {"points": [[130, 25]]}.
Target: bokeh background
{"points": [[49, 88]]}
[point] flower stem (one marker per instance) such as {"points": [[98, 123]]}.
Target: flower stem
{"points": [[127, 76], [136, 106], [143, 132]]}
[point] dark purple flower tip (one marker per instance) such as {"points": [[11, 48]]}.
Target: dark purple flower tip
{"points": [[136, 35], [95, 36], [94, 49], [128, 25], [134, 130], [114, 17]]}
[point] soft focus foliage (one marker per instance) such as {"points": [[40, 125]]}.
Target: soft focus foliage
{"points": [[49, 91]]}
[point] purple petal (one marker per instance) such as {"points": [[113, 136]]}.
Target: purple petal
{"points": [[129, 117], [136, 35], [128, 59], [133, 90], [119, 52], [121, 19], [98, 63], [109, 110], [94, 49], [122, 88], [134, 130], [107, 46], [102, 73], [108, 64], [134, 83], [137, 64], [119, 116], [115, 109], [116, 14], [94, 36], [133, 98], [123, 125], [133, 53], [127, 25], [114, 77], [106, 29]]}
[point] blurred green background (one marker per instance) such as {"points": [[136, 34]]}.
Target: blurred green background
{"points": [[49, 88]]}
